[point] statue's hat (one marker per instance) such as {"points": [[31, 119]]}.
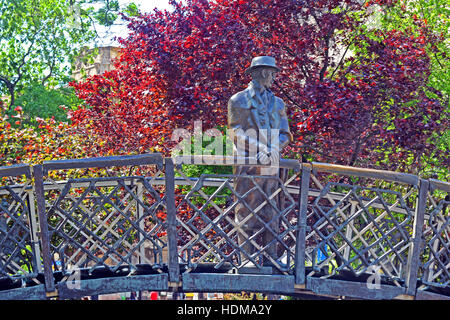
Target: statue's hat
{"points": [[262, 61]]}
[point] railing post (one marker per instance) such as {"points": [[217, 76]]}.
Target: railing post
{"points": [[174, 268], [44, 233], [140, 214], [33, 230], [301, 234], [415, 248]]}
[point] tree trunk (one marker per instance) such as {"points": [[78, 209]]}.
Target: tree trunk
{"points": [[11, 90]]}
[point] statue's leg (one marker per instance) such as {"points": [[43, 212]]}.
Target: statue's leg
{"points": [[272, 221], [245, 215], [245, 230]]}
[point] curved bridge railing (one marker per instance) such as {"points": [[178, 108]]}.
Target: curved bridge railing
{"points": [[76, 228]]}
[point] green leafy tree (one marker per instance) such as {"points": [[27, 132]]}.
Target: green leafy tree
{"points": [[103, 12], [37, 40], [37, 101], [425, 16], [109, 11], [428, 18]]}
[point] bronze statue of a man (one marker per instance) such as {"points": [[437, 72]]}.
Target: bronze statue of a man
{"points": [[259, 128]]}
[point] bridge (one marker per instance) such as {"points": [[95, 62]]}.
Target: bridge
{"points": [[75, 228]]}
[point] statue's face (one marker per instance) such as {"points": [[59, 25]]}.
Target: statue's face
{"points": [[267, 77]]}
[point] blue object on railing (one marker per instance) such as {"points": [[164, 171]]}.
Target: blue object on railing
{"points": [[321, 255]]}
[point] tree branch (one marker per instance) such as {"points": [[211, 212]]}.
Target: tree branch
{"points": [[306, 145], [342, 59], [19, 69], [11, 86], [327, 58], [285, 94]]}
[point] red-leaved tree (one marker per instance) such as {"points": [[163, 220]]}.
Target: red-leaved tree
{"points": [[355, 95]]}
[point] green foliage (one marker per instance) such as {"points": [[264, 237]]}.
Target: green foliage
{"points": [[434, 15], [38, 101], [207, 147], [38, 39], [131, 10], [107, 12]]}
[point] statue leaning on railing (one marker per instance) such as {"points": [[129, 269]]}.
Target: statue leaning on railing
{"points": [[259, 128]]}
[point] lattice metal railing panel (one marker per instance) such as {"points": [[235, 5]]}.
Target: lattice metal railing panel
{"points": [[356, 227], [106, 222], [19, 249], [317, 220], [435, 267], [209, 231]]}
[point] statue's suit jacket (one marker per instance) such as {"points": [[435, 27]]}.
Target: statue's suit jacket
{"points": [[243, 114]]}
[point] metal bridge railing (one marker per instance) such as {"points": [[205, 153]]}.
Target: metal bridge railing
{"points": [[155, 224]]}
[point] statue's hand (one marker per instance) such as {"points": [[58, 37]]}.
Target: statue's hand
{"points": [[263, 157]]}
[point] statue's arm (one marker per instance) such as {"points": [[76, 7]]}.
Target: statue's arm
{"points": [[285, 136]]}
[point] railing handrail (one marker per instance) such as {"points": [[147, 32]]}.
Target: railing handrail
{"points": [[406, 178], [101, 162], [15, 170], [159, 160]]}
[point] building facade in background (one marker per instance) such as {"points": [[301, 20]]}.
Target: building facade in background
{"points": [[103, 61]]}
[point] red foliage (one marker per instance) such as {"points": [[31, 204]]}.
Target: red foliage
{"points": [[181, 66]]}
